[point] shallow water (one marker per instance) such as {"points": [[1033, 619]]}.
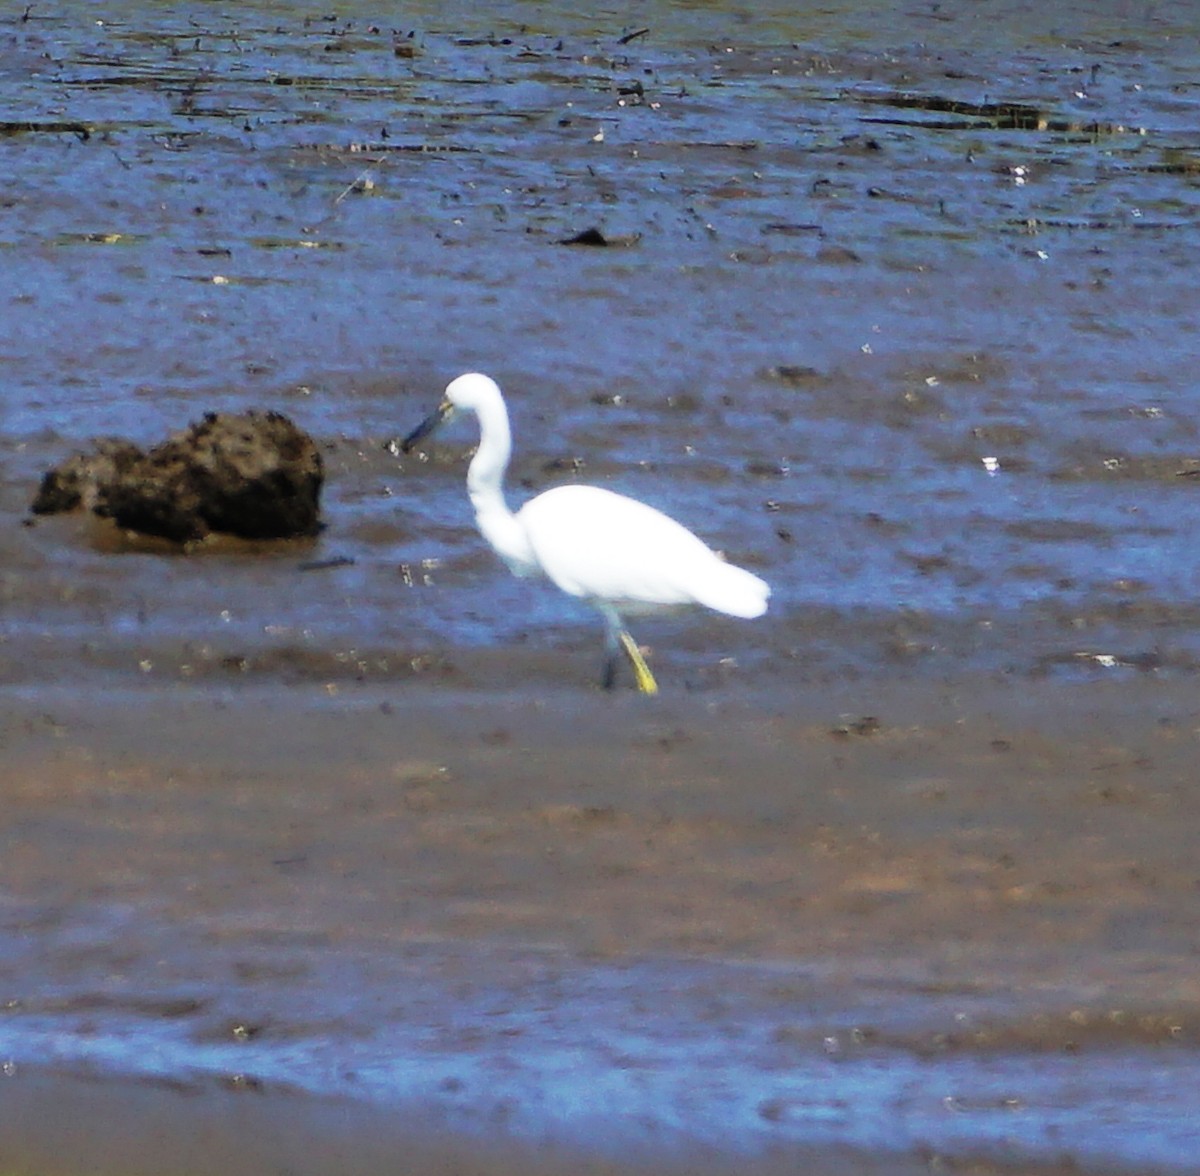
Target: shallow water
{"points": [[926, 372], [898, 312], [667, 1055]]}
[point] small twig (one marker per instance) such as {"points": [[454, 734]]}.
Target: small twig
{"points": [[361, 183], [324, 565], [632, 36]]}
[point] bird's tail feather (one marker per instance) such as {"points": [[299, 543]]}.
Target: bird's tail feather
{"points": [[734, 591]]}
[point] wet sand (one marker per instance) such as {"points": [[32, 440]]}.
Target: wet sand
{"points": [[937, 877]]}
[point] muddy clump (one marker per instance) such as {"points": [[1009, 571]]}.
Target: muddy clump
{"points": [[255, 475], [78, 481]]}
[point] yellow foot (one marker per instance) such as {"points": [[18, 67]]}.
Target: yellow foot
{"points": [[641, 672]]}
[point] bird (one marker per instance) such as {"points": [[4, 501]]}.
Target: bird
{"points": [[616, 553]]}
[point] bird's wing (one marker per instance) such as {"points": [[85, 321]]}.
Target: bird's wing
{"points": [[598, 545]]}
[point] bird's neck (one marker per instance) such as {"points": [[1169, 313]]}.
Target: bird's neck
{"points": [[485, 487]]}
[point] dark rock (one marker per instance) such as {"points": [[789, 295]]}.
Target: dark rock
{"points": [[255, 475], [80, 479]]}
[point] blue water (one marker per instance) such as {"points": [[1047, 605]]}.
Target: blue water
{"points": [[669, 1055], [960, 292]]}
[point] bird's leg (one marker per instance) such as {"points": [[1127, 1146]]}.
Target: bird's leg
{"points": [[609, 678], [612, 648], [641, 672], [616, 640]]}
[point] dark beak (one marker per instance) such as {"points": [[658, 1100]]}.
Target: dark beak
{"points": [[427, 426]]}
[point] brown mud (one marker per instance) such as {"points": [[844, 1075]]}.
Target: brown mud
{"points": [[960, 926]]}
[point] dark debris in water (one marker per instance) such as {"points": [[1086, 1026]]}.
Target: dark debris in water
{"points": [[326, 565], [1114, 466], [866, 725], [12, 127], [594, 237], [792, 373], [1002, 116], [587, 237]]}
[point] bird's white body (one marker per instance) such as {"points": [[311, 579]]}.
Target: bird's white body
{"points": [[615, 552], [603, 546]]}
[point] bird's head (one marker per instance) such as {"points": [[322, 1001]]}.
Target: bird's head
{"points": [[468, 393], [472, 392]]}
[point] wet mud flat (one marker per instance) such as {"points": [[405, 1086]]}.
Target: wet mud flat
{"points": [[316, 854], [897, 314], [958, 929]]}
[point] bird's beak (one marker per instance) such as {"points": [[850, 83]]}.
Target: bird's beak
{"points": [[442, 413]]}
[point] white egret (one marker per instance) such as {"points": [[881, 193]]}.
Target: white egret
{"points": [[614, 552]]}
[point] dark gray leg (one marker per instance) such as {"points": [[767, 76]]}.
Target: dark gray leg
{"points": [[612, 646], [611, 661]]}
